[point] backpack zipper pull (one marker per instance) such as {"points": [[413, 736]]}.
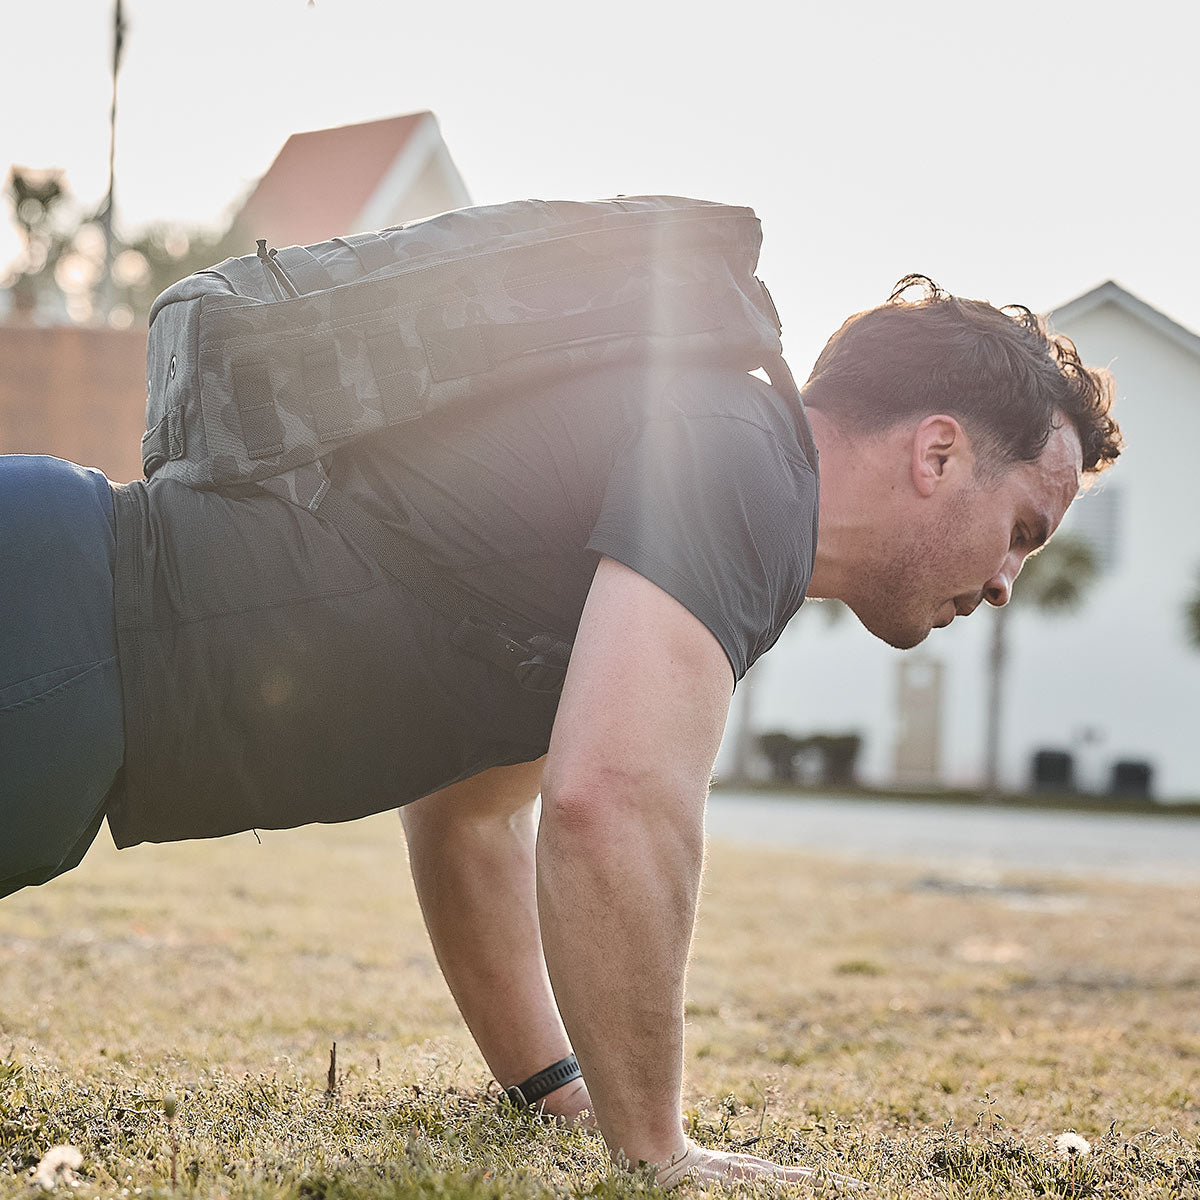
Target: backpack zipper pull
{"points": [[274, 270]]}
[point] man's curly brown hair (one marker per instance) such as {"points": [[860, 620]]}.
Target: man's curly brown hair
{"points": [[999, 370]]}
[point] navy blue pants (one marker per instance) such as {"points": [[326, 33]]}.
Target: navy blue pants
{"points": [[61, 738]]}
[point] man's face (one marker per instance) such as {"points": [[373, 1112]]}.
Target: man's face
{"points": [[970, 545]]}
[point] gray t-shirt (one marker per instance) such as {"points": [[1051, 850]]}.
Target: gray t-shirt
{"points": [[274, 675]]}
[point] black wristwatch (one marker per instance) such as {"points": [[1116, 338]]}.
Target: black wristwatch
{"points": [[537, 1087]]}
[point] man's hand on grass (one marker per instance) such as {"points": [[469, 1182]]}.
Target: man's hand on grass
{"points": [[571, 1106], [698, 1163]]}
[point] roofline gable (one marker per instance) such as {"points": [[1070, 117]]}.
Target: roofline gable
{"points": [[1111, 292], [424, 144], [322, 180]]}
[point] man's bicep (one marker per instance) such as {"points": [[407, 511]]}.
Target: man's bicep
{"points": [[647, 691]]}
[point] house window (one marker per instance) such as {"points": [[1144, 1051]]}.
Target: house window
{"points": [[1095, 517]]}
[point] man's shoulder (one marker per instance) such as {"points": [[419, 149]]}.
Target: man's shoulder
{"points": [[747, 410], [638, 393]]}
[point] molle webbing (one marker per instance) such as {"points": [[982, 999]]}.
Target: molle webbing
{"points": [[266, 363]]}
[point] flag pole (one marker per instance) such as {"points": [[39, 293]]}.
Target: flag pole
{"points": [[106, 296]]}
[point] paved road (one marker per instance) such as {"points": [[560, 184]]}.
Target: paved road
{"points": [[1118, 845]]}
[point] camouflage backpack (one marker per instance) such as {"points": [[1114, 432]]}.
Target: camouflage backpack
{"points": [[267, 363], [261, 366]]}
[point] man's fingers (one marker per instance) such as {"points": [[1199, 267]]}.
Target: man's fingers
{"points": [[747, 1166], [743, 1166], [716, 1165]]}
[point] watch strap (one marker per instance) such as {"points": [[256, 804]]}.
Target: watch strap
{"points": [[537, 1087]]}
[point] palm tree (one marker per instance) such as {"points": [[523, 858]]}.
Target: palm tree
{"points": [[1055, 580], [1191, 616]]}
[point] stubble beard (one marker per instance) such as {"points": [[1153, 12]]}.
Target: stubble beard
{"points": [[896, 604]]}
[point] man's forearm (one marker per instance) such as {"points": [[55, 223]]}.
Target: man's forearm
{"points": [[621, 847], [471, 849], [618, 879]]}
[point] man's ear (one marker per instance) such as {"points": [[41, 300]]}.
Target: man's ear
{"points": [[941, 453]]}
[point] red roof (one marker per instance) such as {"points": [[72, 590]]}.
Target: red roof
{"points": [[322, 180]]}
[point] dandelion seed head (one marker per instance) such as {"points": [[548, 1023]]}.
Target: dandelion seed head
{"points": [[1071, 1145], [57, 1165]]}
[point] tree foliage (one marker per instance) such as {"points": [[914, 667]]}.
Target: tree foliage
{"points": [[1055, 581], [1057, 578], [37, 200], [60, 273]]}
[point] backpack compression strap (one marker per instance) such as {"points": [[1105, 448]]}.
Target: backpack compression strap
{"points": [[539, 664]]}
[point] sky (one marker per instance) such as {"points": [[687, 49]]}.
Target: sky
{"points": [[1014, 152]]}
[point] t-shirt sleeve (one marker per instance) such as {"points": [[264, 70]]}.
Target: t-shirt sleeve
{"points": [[714, 511]]}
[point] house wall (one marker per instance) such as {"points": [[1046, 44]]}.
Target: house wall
{"points": [[74, 393], [1115, 680], [428, 194], [422, 182], [1123, 666]]}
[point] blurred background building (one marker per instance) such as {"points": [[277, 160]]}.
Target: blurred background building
{"points": [[369, 176], [1100, 698], [73, 379]]}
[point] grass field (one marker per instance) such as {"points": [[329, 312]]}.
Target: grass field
{"points": [[928, 1032]]}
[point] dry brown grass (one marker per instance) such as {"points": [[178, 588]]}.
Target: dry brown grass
{"points": [[899, 996], [875, 1012]]}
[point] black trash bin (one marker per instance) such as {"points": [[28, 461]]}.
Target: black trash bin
{"points": [[1132, 777], [1053, 771]]}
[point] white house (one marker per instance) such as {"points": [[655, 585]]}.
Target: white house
{"points": [[327, 182], [1114, 681]]}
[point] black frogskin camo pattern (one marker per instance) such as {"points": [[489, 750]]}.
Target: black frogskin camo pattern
{"points": [[247, 381]]}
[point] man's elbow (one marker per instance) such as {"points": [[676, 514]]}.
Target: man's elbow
{"points": [[608, 798]]}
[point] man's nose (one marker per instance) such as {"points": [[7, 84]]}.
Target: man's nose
{"points": [[998, 590]]}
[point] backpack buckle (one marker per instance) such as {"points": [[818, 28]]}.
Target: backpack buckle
{"points": [[539, 674], [534, 671]]}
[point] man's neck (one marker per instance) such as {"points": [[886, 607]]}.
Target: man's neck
{"points": [[855, 482]]}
